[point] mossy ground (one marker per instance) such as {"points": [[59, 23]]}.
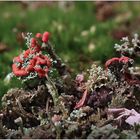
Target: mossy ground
{"points": [[66, 27]]}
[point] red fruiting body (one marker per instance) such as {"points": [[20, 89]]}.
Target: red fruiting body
{"points": [[17, 59], [45, 37], [32, 60], [18, 71], [33, 42], [124, 59], [110, 61], [41, 73], [30, 67], [46, 70], [35, 50], [48, 62], [35, 65], [115, 59], [82, 101], [40, 61], [128, 77], [38, 35], [26, 53]]}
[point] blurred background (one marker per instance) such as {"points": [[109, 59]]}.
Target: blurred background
{"points": [[82, 32]]}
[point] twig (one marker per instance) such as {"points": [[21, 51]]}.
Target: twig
{"points": [[58, 132], [53, 90], [20, 107]]}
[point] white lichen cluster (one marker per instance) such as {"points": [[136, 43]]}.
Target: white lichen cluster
{"points": [[32, 75], [96, 74], [128, 45], [111, 76], [76, 114], [28, 38]]}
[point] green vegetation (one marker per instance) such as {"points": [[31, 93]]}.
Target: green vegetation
{"points": [[78, 36]]}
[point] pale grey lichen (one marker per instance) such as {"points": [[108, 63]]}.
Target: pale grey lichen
{"points": [[76, 114], [129, 46], [32, 75], [96, 74], [28, 39], [8, 78]]}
